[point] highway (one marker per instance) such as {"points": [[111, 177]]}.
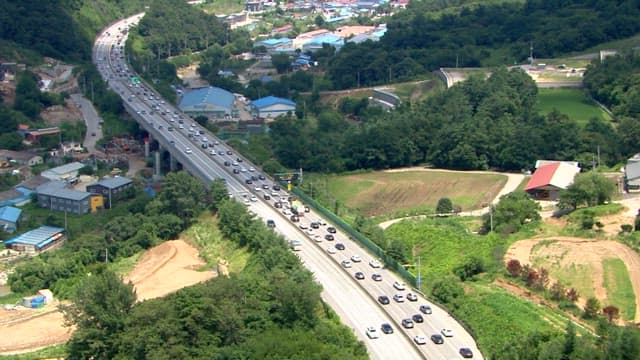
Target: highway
{"points": [[208, 158]]}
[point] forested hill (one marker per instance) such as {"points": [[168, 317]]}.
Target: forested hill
{"points": [[487, 35], [62, 29]]}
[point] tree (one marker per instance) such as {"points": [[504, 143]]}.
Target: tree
{"points": [[557, 291], [397, 250], [513, 210], [219, 193], [99, 310], [447, 290], [572, 295], [611, 312], [281, 62], [445, 206], [591, 308], [11, 141], [514, 268], [470, 267], [588, 188], [569, 341]]}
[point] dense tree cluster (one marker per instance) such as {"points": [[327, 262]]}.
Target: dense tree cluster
{"points": [[271, 310], [478, 124], [485, 35]]}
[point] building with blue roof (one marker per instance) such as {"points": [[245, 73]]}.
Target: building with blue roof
{"points": [[55, 196], [17, 196], [37, 240], [111, 189], [272, 107], [317, 42], [212, 102], [9, 217], [273, 44]]}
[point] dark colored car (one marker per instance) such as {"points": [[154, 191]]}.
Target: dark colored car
{"points": [[254, 178], [276, 187], [271, 223], [383, 299], [359, 275], [329, 237], [261, 177], [229, 152], [267, 197], [248, 181], [236, 171], [417, 318], [315, 225], [277, 205], [331, 229], [340, 246], [238, 159], [466, 353], [437, 339], [425, 309], [226, 163], [386, 328], [294, 218]]}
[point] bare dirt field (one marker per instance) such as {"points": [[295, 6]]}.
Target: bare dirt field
{"points": [[162, 270], [580, 259], [167, 268]]}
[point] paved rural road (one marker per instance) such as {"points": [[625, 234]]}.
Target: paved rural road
{"points": [[92, 119], [513, 180]]}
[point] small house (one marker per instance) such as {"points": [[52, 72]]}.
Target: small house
{"points": [[548, 180]]}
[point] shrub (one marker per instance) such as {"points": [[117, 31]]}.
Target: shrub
{"points": [[514, 268], [472, 266], [445, 206]]}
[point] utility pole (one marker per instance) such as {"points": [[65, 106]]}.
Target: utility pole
{"points": [[106, 255], [419, 279]]}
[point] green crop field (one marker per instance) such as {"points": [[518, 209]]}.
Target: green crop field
{"points": [[619, 287], [571, 102], [381, 193]]}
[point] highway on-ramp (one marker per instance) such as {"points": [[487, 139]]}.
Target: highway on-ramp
{"points": [[208, 158]]}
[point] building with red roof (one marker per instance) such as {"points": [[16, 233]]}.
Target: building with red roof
{"points": [[549, 179]]}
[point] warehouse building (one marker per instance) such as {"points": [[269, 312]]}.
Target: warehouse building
{"points": [[212, 102], [53, 195], [37, 240], [111, 189], [67, 172], [272, 107]]}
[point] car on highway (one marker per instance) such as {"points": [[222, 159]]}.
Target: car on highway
{"points": [[386, 328], [417, 318], [356, 258], [466, 353], [412, 297], [236, 171], [340, 246], [315, 225], [425, 309], [271, 223], [254, 198], [372, 333], [229, 152], [264, 186], [359, 275], [303, 226], [276, 204], [447, 332], [331, 230], [383, 299], [398, 285], [188, 150], [437, 339], [374, 263], [398, 298], [329, 237], [332, 250], [261, 177], [407, 323], [294, 218], [419, 339], [346, 263], [376, 277]]}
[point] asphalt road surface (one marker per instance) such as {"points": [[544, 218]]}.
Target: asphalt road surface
{"points": [[91, 119], [208, 158]]}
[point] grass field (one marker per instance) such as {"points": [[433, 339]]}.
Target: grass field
{"points": [[442, 244], [499, 319], [571, 102], [618, 285], [223, 7], [381, 193], [206, 236]]}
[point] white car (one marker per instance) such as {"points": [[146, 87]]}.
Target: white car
{"points": [[346, 263], [398, 298], [331, 250], [252, 169], [372, 333], [356, 258], [374, 263], [302, 226], [188, 151], [398, 285], [447, 332], [420, 340], [253, 198], [212, 152]]}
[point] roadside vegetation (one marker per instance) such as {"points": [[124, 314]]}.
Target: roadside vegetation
{"points": [[571, 102]]}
